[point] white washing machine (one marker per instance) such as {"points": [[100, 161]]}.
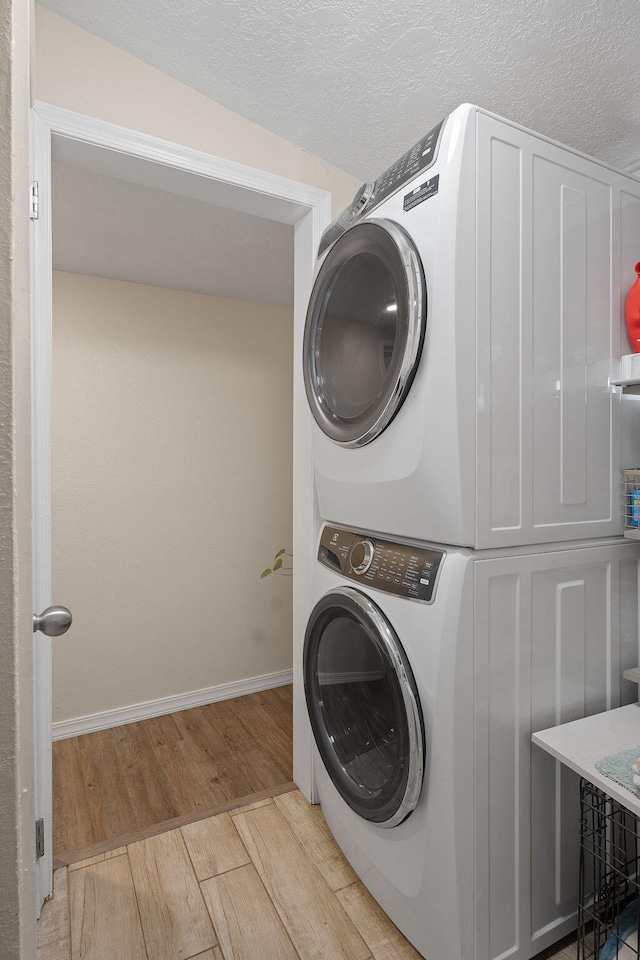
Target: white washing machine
{"points": [[426, 669], [465, 322]]}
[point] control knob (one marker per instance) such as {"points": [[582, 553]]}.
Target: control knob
{"points": [[362, 556]]}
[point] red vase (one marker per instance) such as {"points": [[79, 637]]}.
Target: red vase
{"points": [[632, 313]]}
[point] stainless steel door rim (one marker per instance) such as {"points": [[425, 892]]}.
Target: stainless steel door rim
{"points": [[336, 732], [371, 281]]}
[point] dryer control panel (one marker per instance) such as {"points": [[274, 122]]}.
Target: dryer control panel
{"points": [[399, 568], [419, 157]]}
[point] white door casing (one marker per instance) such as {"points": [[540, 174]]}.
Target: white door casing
{"points": [[308, 209]]}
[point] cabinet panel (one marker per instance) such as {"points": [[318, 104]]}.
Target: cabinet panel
{"points": [[552, 632], [554, 237], [571, 346]]}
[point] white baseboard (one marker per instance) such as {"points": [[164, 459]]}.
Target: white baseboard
{"points": [[156, 708]]}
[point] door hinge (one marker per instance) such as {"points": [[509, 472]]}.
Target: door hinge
{"points": [[34, 212], [39, 839]]}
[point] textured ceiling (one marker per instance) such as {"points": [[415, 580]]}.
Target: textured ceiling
{"points": [[356, 82], [107, 227]]}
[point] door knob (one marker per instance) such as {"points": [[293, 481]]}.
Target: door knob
{"points": [[54, 621]]}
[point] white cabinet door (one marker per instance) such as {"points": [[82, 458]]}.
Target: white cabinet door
{"points": [[556, 242], [553, 633]]}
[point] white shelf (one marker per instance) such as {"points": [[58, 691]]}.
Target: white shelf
{"points": [[581, 743], [629, 371], [632, 534]]}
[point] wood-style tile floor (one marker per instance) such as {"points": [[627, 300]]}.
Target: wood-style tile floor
{"points": [[261, 882], [118, 783]]}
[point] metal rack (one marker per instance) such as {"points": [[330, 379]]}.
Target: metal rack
{"points": [[609, 878], [631, 503]]}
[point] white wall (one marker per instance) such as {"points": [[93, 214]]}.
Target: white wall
{"points": [[172, 491]]}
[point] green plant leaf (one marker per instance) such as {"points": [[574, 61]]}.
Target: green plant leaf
{"points": [[277, 565], [265, 573], [280, 552]]}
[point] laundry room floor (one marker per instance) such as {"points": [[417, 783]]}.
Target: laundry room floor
{"points": [[264, 881], [122, 782]]}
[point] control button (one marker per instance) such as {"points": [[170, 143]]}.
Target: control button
{"points": [[362, 556], [361, 199]]}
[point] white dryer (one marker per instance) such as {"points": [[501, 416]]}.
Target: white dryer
{"points": [[426, 669], [465, 321]]}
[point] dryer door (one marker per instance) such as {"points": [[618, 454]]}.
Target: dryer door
{"points": [[364, 331], [364, 708]]}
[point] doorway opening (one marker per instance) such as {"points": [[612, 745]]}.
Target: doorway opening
{"points": [[171, 488]]}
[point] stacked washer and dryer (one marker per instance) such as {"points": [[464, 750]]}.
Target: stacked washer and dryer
{"points": [[471, 583]]}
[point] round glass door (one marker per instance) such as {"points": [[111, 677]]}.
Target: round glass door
{"points": [[363, 706], [364, 331]]}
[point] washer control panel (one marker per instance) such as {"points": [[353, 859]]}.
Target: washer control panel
{"points": [[398, 568], [369, 195]]}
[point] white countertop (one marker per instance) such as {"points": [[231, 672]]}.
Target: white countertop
{"points": [[581, 743]]}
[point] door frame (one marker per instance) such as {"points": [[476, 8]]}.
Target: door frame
{"points": [[278, 198]]}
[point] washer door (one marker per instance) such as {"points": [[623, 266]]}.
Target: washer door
{"points": [[364, 331], [363, 706]]}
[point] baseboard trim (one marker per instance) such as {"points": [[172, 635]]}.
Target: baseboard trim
{"points": [[64, 729]]}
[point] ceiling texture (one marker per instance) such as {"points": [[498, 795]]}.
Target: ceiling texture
{"points": [[356, 82]]}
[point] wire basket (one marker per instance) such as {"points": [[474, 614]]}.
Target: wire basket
{"points": [[631, 481], [609, 878]]}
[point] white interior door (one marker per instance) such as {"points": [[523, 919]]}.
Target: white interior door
{"points": [[41, 367], [238, 187]]}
